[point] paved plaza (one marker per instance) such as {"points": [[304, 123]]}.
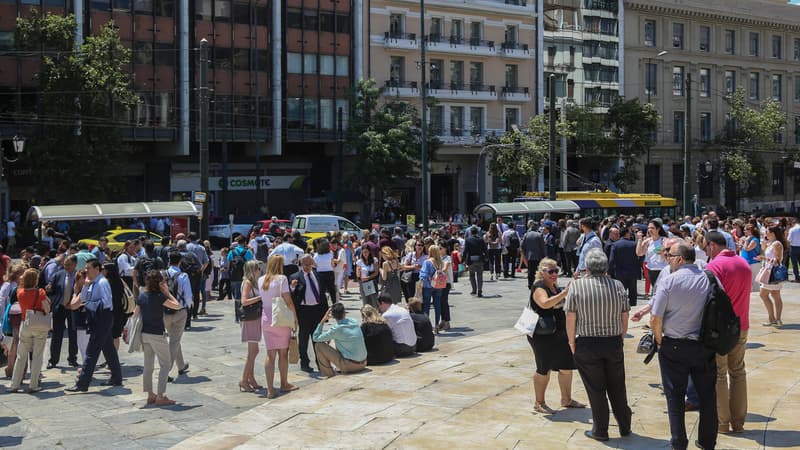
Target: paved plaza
{"points": [[473, 391]]}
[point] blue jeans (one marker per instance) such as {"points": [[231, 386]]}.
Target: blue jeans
{"points": [[436, 294], [679, 359]]}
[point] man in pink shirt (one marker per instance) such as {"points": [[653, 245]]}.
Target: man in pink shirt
{"points": [[734, 274]]}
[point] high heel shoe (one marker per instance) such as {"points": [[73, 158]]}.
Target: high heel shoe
{"points": [[256, 386], [245, 388]]}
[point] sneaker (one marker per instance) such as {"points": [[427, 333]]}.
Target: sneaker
{"points": [[769, 324], [778, 323]]}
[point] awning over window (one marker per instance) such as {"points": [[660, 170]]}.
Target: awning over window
{"points": [[538, 207], [98, 211]]}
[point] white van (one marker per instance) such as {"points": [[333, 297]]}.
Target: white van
{"points": [[321, 223]]}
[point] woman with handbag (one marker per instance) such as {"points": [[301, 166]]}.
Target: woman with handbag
{"points": [[411, 265], [770, 291], [274, 288], [367, 277], [33, 331], [390, 274], [12, 317], [250, 320], [549, 342], [434, 281], [150, 306]]}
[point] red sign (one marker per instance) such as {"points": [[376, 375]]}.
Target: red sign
{"points": [[179, 225]]}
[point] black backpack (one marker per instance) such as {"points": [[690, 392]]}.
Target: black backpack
{"points": [[191, 265], [237, 265], [262, 252], [513, 242], [146, 264], [720, 329]]}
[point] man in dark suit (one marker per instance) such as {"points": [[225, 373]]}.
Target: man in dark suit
{"points": [[571, 235], [613, 236], [474, 253], [310, 305], [533, 250], [624, 265], [60, 292]]}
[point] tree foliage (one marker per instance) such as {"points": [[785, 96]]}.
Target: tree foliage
{"points": [[77, 143], [385, 139], [750, 131]]}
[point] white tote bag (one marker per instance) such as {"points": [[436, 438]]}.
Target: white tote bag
{"points": [[526, 324], [282, 316]]}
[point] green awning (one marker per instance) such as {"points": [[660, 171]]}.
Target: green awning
{"points": [[540, 207], [96, 211]]}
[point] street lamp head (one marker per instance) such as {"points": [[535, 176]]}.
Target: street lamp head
{"points": [[19, 144], [661, 53]]}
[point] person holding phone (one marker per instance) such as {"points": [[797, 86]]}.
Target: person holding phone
{"points": [[350, 354]]}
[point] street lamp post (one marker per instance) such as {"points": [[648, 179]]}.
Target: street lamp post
{"points": [[424, 133]]}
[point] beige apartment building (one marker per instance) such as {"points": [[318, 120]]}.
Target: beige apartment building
{"points": [[480, 69], [722, 45]]}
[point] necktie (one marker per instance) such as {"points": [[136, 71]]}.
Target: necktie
{"points": [[313, 285], [67, 289]]}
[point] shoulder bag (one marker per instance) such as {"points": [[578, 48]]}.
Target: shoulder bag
{"points": [[37, 320], [252, 311], [778, 274], [526, 324], [545, 326], [128, 300], [282, 316], [764, 274]]}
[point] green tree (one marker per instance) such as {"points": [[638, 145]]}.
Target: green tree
{"points": [[77, 150], [385, 139], [749, 132]]}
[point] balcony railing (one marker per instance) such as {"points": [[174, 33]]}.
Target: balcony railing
{"points": [[435, 38], [395, 84], [389, 35], [515, 90], [479, 87], [514, 46]]}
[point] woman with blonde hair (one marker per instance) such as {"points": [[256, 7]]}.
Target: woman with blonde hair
{"points": [[551, 350], [275, 286], [250, 314], [377, 336], [390, 274], [13, 273], [434, 280]]}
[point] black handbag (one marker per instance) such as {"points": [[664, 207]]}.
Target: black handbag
{"points": [[252, 311], [545, 326]]}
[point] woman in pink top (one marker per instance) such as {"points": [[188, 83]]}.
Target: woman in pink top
{"points": [[275, 285]]}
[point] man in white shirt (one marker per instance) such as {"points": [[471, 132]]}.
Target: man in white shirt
{"points": [[401, 324], [291, 256], [11, 232], [794, 242]]}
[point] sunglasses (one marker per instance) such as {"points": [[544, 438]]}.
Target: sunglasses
{"points": [[670, 255], [552, 271]]}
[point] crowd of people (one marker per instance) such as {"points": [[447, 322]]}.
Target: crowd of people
{"points": [[288, 292]]}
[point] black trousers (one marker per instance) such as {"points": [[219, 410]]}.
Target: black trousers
{"points": [[196, 281], [327, 283], [601, 364], [308, 318], [410, 288], [224, 288], [630, 285], [63, 316], [679, 359], [533, 266], [571, 262], [510, 262], [100, 340]]}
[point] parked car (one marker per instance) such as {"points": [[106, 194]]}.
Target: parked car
{"points": [[222, 235], [284, 226], [117, 238]]}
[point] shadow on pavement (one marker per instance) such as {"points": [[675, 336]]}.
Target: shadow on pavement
{"points": [[195, 329], [185, 379], [791, 326], [758, 418], [752, 345], [10, 441], [6, 421], [453, 330], [571, 415]]}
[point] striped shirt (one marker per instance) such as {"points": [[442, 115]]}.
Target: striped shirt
{"points": [[598, 302]]}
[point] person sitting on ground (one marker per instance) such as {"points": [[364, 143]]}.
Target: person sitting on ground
{"points": [[377, 336], [422, 326], [401, 324], [350, 354]]}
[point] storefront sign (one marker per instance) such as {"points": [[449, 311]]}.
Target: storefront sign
{"points": [[185, 183]]}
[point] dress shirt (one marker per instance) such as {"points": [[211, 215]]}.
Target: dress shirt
{"points": [[680, 301], [199, 251], [50, 270], [83, 257], [402, 325], [97, 295], [590, 241], [184, 287], [311, 296], [69, 285], [125, 263], [290, 252], [348, 338], [324, 262], [99, 254], [794, 236]]}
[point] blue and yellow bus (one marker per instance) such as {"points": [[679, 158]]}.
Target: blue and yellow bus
{"points": [[606, 203]]}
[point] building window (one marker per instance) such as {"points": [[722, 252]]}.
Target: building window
{"points": [[512, 117], [456, 121], [705, 181], [678, 126], [705, 127], [294, 18], [677, 81], [476, 121], [705, 38], [776, 87], [730, 42], [475, 33], [652, 179], [511, 76], [395, 25], [436, 30], [456, 75], [777, 178], [797, 130], [456, 31], [677, 35], [344, 105], [511, 36], [651, 71], [730, 82], [241, 59], [475, 75], [342, 66], [754, 85], [650, 33], [753, 44], [396, 69], [436, 80], [222, 10], [143, 53], [797, 88], [797, 49], [143, 6], [327, 113], [705, 82], [165, 8], [294, 63], [777, 50], [327, 23], [325, 65], [293, 110], [436, 121], [202, 9]]}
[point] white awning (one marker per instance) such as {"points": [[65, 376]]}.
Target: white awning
{"points": [[96, 211]]}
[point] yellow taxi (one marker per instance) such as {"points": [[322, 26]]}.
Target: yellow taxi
{"points": [[117, 238]]}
